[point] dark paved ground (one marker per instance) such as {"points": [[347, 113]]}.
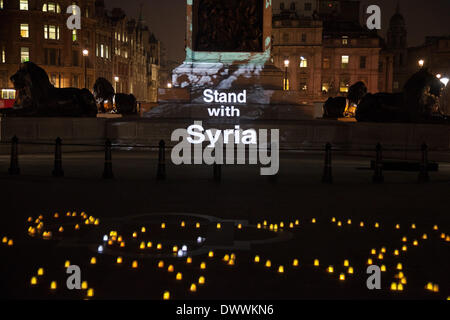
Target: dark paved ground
{"points": [[242, 195]]}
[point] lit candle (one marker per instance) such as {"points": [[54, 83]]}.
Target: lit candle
{"points": [[201, 280], [93, 260]]}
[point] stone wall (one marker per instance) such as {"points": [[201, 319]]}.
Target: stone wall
{"points": [[352, 138]]}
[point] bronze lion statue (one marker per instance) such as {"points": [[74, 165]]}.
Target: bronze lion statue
{"points": [[36, 96], [104, 93], [419, 102]]}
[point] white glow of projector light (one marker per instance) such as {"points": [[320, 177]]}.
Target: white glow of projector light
{"points": [[100, 249]]}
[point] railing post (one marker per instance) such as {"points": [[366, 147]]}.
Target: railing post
{"points": [[327, 171], [161, 173], [423, 174], [58, 170], [108, 172], [378, 174], [217, 172], [14, 166]]}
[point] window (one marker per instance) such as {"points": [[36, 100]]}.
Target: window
{"points": [[24, 30], [303, 62], [345, 61], [8, 94], [23, 5], [74, 35], [52, 57], [325, 87], [3, 57], [51, 7], [362, 62], [24, 54], [102, 50], [303, 37], [75, 81], [75, 58], [1, 4], [344, 85], [285, 37], [51, 32], [308, 6], [396, 85], [344, 40], [326, 63], [303, 85]]}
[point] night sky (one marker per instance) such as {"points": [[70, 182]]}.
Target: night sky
{"points": [[166, 19]]}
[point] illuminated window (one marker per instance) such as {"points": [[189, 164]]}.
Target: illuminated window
{"points": [[23, 5], [102, 51], [74, 35], [24, 54], [24, 30], [3, 57], [51, 7], [344, 84], [51, 32], [1, 4], [8, 94], [286, 84], [344, 40], [345, 61], [303, 62], [326, 63], [303, 86]]}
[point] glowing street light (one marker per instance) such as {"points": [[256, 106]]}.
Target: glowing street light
{"points": [[444, 81], [286, 66], [85, 55], [421, 62], [169, 85], [116, 80]]}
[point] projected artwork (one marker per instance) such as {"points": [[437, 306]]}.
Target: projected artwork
{"points": [[228, 26]]}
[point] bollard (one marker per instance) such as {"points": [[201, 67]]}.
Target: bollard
{"points": [[378, 174], [58, 170], [327, 171], [217, 172], [14, 166], [108, 173], [423, 174], [161, 173]]}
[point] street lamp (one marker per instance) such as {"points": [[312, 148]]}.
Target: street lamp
{"points": [[169, 85], [116, 80], [438, 76], [421, 63], [286, 66], [85, 55], [444, 81]]}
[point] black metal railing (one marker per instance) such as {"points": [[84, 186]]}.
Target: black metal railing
{"points": [[329, 150]]}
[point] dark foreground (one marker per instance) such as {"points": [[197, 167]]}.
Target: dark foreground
{"points": [[394, 215]]}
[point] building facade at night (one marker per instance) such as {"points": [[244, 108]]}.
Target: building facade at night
{"points": [[109, 45], [327, 48]]}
